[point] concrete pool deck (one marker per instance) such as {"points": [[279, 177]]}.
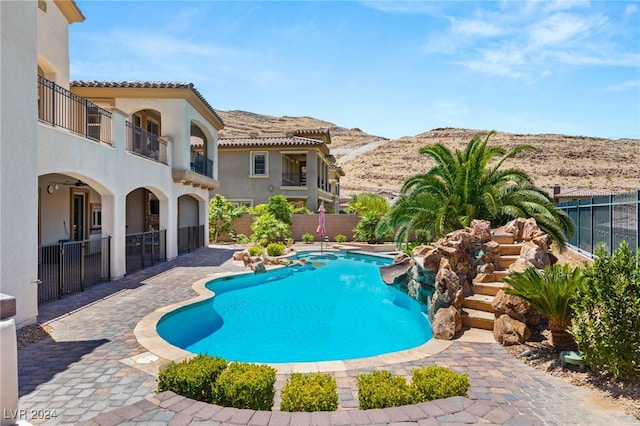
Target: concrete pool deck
{"points": [[94, 370]]}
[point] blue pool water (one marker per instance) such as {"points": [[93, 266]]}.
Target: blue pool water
{"points": [[337, 307]]}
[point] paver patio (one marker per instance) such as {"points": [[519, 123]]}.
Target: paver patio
{"points": [[95, 372]]}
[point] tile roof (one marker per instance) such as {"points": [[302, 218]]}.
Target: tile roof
{"points": [[268, 141], [147, 85], [582, 193]]}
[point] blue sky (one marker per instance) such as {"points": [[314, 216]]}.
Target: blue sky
{"points": [[390, 68]]}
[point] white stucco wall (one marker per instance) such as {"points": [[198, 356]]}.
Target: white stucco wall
{"points": [[18, 163], [53, 43]]}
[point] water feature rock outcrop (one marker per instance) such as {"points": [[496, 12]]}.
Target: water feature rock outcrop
{"points": [[469, 256]]}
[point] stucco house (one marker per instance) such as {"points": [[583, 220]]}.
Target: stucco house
{"points": [[297, 165], [109, 177]]}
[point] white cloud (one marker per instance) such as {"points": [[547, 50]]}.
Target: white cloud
{"points": [[627, 85], [475, 28]]}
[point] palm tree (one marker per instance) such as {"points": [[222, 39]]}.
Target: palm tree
{"points": [[468, 185], [551, 293]]}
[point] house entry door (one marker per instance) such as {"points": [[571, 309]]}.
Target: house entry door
{"points": [[78, 216]]}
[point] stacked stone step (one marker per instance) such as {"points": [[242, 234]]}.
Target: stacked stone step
{"points": [[477, 311]]}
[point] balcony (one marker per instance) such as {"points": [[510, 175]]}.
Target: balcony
{"points": [[294, 179], [59, 107], [200, 172], [146, 144]]}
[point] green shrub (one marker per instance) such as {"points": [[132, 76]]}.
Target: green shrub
{"points": [[266, 227], [256, 250], [367, 229], [435, 382], [606, 322], [192, 378], [307, 237], [222, 213], [280, 208], [244, 385], [380, 389], [242, 239], [301, 210], [309, 392], [276, 249], [340, 238]]}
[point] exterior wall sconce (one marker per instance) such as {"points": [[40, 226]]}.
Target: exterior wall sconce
{"points": [[270, 188]]}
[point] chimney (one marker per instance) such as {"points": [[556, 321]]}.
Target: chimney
{"points": [[253, 134], [556, 191]]}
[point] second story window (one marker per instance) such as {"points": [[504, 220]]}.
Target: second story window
{"points": [[259, 164]]}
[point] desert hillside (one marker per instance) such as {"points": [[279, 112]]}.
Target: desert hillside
{"points": [[373, 163]]}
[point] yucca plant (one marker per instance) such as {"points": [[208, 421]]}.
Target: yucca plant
{"points": [[551, 293]]}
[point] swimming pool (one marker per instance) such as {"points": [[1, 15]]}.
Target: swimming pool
{"points": [[334, 308]]}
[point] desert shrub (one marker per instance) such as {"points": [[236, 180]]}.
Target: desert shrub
{"points": [[309, 392], [307, 237], [266, 227], [244, 385], [380, 389], [242, 239], [256, 250], [435, 382], [606, 322], [365, 202], [367, 230], [192, 378], [276, 249], [340, 238], [280, 208], [301, 210]]}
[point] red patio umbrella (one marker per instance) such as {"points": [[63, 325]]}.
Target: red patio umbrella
{"points": [[321, 221]]}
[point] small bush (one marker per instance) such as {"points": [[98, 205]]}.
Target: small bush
{"points": [[244, 385], [275, 249], [340, 238], [256, 250], [380, 389], [606, 323], [435, 382], [266, 227], [242, 239], [309, 392], [192, 378], [307, 237]]}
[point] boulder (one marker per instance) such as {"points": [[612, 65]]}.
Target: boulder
{"points": [[508, 331], [520, 265], [258, 267], [515, 228], [543, 241], [516, 307], [238, 255], [481, 230], [486, 268], [446, 322], [432, 259], [447, 285], [530, 230], [532, 253], [421, 251], [490, 252]]}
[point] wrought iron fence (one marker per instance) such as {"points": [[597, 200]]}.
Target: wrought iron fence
{"points": [[59, 107], [607, 220], [190, 238], [145, 249], [201, 164], [71, 266], [146, 144]]}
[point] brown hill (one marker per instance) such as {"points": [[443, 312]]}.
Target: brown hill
{"points": [[372, 163]]}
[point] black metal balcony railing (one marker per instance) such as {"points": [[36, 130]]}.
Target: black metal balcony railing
{"points": [[145, 144], [201, 164], [61, 108], [294, 179]]}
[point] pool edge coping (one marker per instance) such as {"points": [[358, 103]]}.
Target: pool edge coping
{"points": [[147, 336]]}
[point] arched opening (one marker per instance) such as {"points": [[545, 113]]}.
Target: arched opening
{"points": [[143, 135], [190, 230], [145, 240], [73, 254], [200, 161]]}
